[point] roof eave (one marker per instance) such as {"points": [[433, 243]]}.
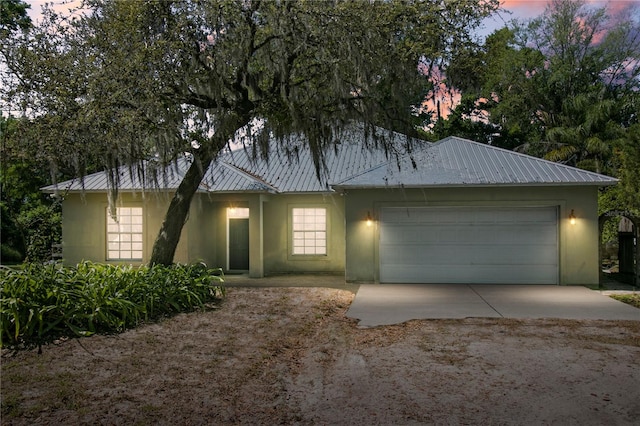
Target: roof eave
{"points": [[48, 190], [252, 191], [477, 185]]}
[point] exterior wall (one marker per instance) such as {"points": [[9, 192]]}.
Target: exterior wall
{"points": [[204, 237], [578, 245], [278, 240], [207, 227], [84, 225], [352, 247], [269, 232], [83, 228]]}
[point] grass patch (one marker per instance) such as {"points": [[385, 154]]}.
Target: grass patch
{"points": [[632, 299]]}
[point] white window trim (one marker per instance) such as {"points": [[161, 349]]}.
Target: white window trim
{"points": [[133, 238], [312, 229]]}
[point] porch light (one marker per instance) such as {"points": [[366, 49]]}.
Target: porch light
{"points": [[369, 219], [572, 218]]}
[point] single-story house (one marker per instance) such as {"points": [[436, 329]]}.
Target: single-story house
{"points": [[453, 211]]}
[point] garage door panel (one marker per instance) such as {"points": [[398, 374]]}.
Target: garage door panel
{"points": [[465, 233], [464, 245], [511, 254], [470, 275], [537, 234]]}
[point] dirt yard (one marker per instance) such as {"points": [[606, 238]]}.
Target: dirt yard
{"points": [[290, 356]]}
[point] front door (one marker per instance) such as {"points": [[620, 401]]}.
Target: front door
{"points": [[239, 244]]}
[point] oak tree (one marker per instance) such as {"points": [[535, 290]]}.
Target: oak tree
{"points": [[121, 81]]}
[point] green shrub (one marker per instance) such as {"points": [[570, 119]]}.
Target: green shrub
{"points": [[42, 226], [40, 302]]}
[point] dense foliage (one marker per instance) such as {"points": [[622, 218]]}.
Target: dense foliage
{"points": [[40, 302], [30, 220], [564, 86], [126, 81]]}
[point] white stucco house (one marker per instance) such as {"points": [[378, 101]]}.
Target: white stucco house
{"points": [[454, 211]]}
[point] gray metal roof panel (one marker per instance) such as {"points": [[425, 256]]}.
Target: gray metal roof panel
{"points": [[455, 161], [232, 179], [146, 177], [290, 169]]}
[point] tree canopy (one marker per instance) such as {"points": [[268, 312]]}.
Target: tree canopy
{"points": [[150, 80], [13, 16], [564, 86]]}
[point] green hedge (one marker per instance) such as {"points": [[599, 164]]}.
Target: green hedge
{"points": [[40, 302]]}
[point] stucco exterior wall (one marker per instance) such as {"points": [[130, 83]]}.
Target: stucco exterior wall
{"points": [[278, 257], [207, 227], [204, 236], [84, 226], [352, 247], [269, 232], [578, 244]]}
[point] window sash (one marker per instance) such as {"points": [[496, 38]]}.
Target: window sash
{"points": [[309, 231], [124, 235]]}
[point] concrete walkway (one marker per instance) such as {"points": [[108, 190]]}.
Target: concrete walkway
{"points": [[383, 304]]}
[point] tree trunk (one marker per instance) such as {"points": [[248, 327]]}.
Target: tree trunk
{"points": [[164, 248]]}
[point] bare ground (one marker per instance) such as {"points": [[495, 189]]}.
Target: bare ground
{"points": [[290, 356]]}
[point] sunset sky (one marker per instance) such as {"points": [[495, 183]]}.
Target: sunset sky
{"points": [[527, 9], [515, 9], [520, 9]]}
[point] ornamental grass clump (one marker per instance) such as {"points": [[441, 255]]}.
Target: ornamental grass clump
{"points": [[42, 302]]}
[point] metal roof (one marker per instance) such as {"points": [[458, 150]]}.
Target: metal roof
{"points": [[137, 178], [220, 177], [354, 163], [455, 162], [291, 168]]}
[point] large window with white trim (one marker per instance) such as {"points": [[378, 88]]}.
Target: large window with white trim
{"points": [[309, 229], [124, 234]]}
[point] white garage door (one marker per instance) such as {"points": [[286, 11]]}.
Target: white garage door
{"points": [[469, 245]]}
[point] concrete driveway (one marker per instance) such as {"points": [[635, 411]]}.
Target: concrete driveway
{"points": [[383, 304]]}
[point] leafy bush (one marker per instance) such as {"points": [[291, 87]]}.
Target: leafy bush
{"points": [[42, 227], [40, 302]]}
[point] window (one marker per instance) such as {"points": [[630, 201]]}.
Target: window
{"points": [[309, 231], [124, 235], [237, 213]]}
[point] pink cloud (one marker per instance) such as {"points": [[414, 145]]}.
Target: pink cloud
{"points": [[527, 9], [61, 6]]}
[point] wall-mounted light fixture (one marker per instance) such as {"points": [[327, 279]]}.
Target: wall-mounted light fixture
{"points": [[572, 218], [369, 219]]}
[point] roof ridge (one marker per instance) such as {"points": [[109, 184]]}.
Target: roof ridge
{"points": [[249, 175], [388, 161]]}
